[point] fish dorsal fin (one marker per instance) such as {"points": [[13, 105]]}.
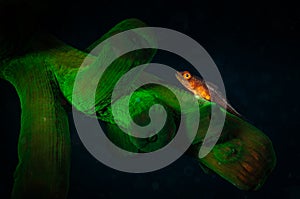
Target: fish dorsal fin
{"points": [[219, 98]]}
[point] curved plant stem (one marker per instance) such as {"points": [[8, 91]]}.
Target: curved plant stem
{"points": [[44, 140]]}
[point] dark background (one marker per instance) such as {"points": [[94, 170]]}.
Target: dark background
{"points": [[256, 48]]}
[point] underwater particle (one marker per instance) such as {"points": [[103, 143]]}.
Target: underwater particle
{"points": [[197, 180], [155, 186], [102, 195], [293, 191], [140, 183], [113, 176], [188, 171]]}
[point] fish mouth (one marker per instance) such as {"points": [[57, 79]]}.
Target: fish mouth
{"points": [[178, 75]]}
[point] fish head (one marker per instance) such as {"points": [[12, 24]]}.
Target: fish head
{"points": [[185, 78]]}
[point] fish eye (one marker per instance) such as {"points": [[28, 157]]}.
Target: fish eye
{"points": [[187, 76]]}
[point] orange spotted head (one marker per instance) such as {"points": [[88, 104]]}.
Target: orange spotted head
{"points": [[194, 84], [186, 79]]}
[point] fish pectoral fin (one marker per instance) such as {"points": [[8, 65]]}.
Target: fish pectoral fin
{"points": [[197, 96]]}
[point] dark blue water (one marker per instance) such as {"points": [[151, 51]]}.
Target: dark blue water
{"points": [[256, 49]]}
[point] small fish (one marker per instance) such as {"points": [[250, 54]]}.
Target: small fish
{"points": [[205, 90]]}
